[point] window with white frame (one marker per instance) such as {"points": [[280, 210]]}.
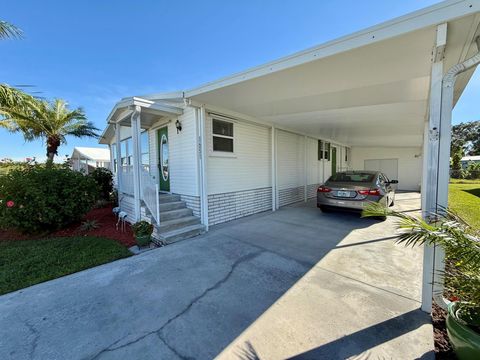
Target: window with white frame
{"points": [[126, 149], [222, 133], [327, 151], [114, 155], [145, 151]]}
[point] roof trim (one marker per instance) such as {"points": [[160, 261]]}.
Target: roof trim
{"points": [[164, 108], [79, 149], [430, 16]]}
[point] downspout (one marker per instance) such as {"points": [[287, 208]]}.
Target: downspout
{"points": [[448, 87]]}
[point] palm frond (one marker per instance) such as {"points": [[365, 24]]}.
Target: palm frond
{"points": [[9, 31], [449, 231]]}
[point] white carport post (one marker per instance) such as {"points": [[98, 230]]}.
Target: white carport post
{"points": [[135, 122], [305, 172], [431, 152], [202, 151], [437, 160], [274, 168]]}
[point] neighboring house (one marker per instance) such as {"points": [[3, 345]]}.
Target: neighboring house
{"points": [[87, 159], [467, 160], [267, 137]]}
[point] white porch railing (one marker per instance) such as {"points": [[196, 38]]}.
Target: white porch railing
{"points": [[151, 195], [126, 179]]}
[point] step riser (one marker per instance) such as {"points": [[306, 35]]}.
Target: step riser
{"points": [[175, 214], [172, 206], [183, 236], [165, 199], [166, 228]]}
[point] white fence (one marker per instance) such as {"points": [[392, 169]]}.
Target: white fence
{"points": [[150, 195], [149, 189]]}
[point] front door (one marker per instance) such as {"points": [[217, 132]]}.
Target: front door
{"points": [[163, 159], [334, 160]]}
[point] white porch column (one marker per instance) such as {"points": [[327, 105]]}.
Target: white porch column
{"points": [[274, 168], [135, 121], [119, 157]]}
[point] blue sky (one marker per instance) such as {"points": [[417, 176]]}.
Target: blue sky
{"points": [[92, 53]]}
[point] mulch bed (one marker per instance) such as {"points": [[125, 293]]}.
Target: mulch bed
{"points": [[443, 349], [106, 221]]}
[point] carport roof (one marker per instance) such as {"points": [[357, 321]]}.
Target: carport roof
{"points": [[368, 88]]}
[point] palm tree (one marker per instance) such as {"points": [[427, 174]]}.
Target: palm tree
{"points": [[51, 121], [8, 30]]}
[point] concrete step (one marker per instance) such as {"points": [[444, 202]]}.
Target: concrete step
{"points": [[172, 206], [168, 198], [169, 225], [182, 233], [175, 214]]}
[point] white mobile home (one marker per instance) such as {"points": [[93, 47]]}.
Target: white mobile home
{"points": [[379, 99], [87, 159]]}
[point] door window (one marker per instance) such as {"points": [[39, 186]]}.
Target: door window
{"points": [[164, 156]]}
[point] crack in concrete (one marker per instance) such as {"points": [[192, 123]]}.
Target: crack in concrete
{"points": [[172, 349], [158, 331], [36, 335], [303, 263]]}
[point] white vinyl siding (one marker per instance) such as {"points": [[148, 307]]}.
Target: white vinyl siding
{"points": [[290, 167], [314, 167], [290, 163], [183, 157], [153, 155], [250, 165]]}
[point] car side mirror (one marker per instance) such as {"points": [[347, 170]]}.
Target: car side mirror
{"points": [[393, 182]]}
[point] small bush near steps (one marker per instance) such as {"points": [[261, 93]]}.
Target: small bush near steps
{"points": [[104, 179], [39, 198], [143, 232]]}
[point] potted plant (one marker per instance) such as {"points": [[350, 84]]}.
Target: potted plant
{"points": [[142, 231], [461, 275]]}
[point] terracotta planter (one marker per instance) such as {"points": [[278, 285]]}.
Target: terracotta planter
{"points": [[465, 340]]}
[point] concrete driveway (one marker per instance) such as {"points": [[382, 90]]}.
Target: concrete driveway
{"points": [[291, 284]]}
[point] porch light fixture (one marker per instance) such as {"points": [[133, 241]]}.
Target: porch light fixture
{"points": [[178, 125]]}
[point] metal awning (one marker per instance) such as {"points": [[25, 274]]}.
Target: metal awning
{"points": [[370, 88]]}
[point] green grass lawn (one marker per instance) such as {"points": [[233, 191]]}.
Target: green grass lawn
{"points": [[25, 263], [464, 199]]}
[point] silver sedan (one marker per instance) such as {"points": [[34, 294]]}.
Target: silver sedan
{"points": [[355, 189]]}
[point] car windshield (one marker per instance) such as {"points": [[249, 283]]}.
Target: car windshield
{"points": [[352, 177]]}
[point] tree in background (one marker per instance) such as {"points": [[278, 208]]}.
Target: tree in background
{"points": [[466, 136], [456, 164], [50, 121], [9, 31]]}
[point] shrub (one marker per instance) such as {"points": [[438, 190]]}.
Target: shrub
{"points": [[143, 232], [89, 225], [104, 179], [39, 198]]}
